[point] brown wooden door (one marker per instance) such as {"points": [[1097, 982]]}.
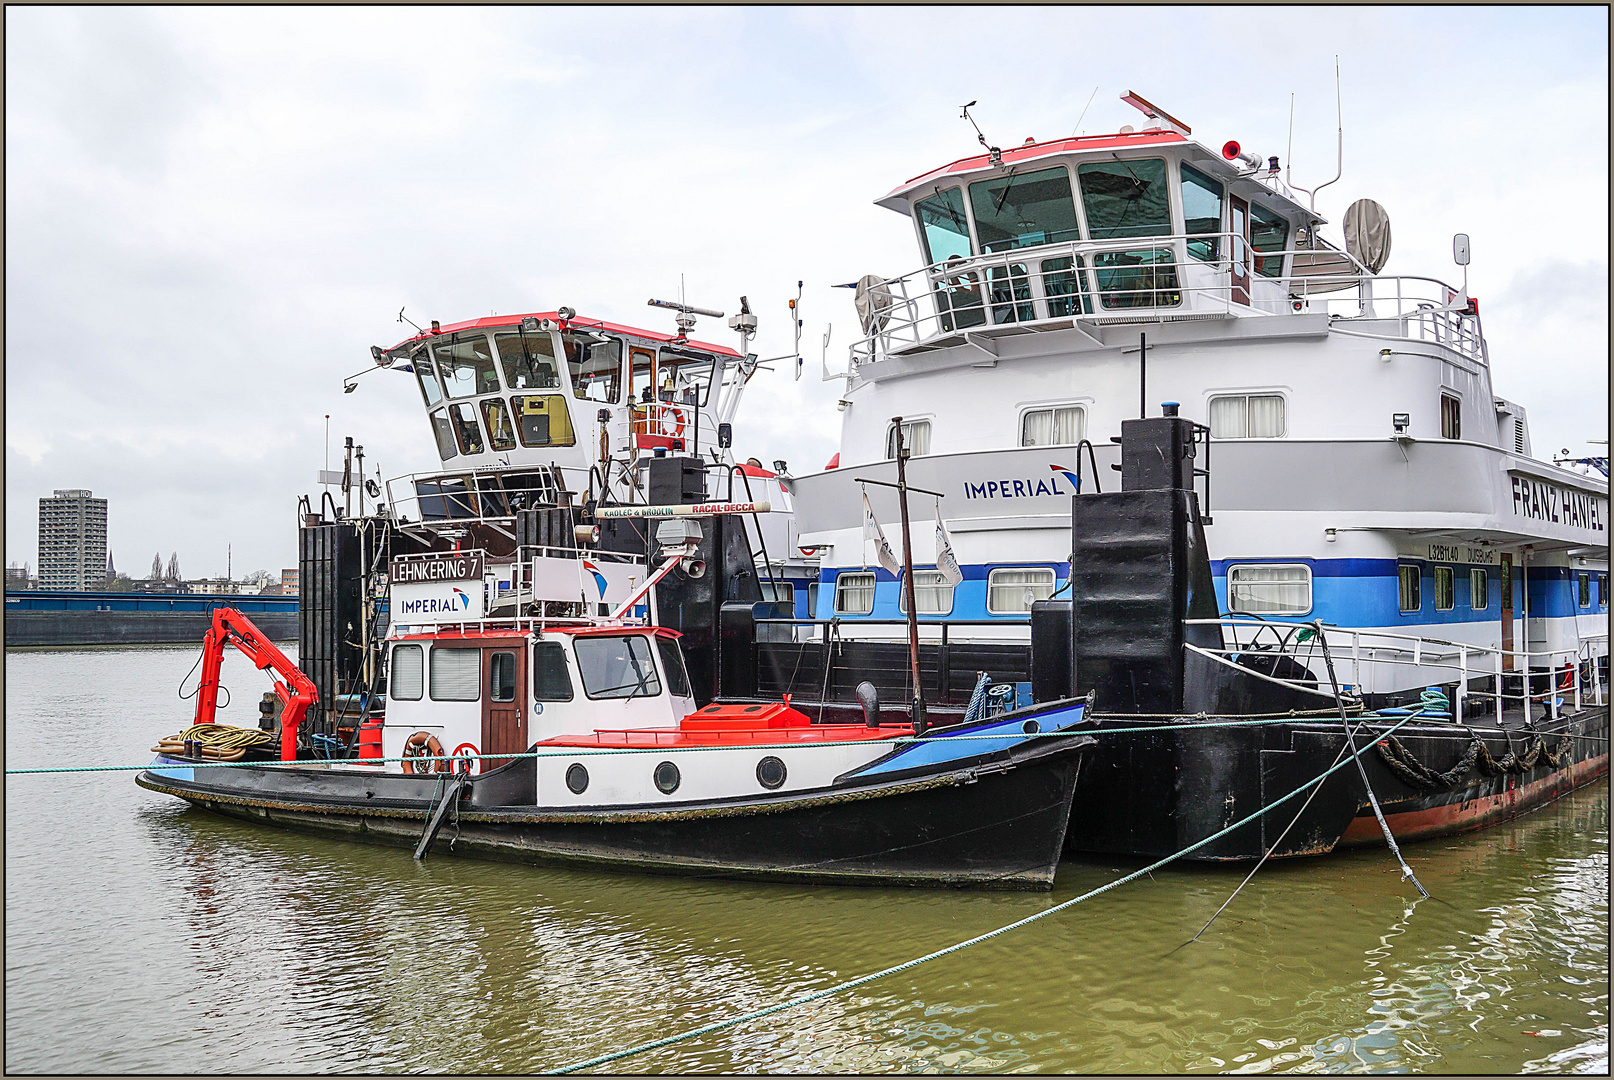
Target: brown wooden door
{"points": [[1239, 249], [504, 695], [1507, 611]]}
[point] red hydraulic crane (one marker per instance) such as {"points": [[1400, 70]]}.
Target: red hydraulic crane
{"points": [[294, 689]]}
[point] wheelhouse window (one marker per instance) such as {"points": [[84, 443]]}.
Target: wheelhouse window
{"points": [[672, 663], [1445, 588], [854, 594], [502, 676], [1063, 289], [456, 674], [596, 368], [932, 594], [465, 362], [1268, 232], [444, 435], [1410, 588], [1012, 590], [1275, 589], [1064, 425], [1247, 416], [501, 436], [426, 374], [466, 433], [1202, 213], [407, 680], [1479, 590], [551, 681], [1125, 198], [942, 224], [1451, 417], [1024, 210], [616, 666], [1134, 279], [915, 436], [686, 378], [542, 420], [528, 360]]}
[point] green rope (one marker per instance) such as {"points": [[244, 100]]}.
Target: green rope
{"points": [[862, 980]]}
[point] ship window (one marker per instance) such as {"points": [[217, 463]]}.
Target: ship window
{"points": [[1451, 417], [550, 679], [915, 438], [1023, 210], [1125, 198], [466, 364], [672, 664], [1479, 590], [1012, 591], [497, 416], [468, 434], [1268, 232], [1132, 279], [528, 360], [1062, 285], [932, 593], [617, 667], [1064, 426], [1445, 588], [778, 592], [1202, 213], [942, 223], [685, 380], [426, 373], [1411, 588], [596, 369], [854, 594], [456, 674], [408, 673], [1602, 590], [502, 676], [1585, 590], [542, 420], [1247, 416], [444, 434], [1284, 589]]}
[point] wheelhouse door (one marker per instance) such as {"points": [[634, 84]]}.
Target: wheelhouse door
{"points": [[1507, 612], [504, 694], [1239, 249]]}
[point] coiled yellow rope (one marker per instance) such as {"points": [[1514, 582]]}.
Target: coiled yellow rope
{"points": [[219, 741]]}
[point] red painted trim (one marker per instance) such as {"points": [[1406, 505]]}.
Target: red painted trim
{"points": [[1032, 151], [755, 470], [510, 322]]}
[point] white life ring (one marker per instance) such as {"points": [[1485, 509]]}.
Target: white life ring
{"points": [[671, 421]]}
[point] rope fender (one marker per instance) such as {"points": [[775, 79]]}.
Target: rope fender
{"points": [[1416, 774]]}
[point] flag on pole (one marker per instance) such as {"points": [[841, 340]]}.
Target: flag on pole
{"points": [[946, 561], [882, 548]]}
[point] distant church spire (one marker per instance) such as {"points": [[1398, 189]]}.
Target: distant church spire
{"points": [[110, 569]]}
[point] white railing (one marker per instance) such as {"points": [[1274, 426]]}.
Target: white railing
{"points": [[457, 498], [1569, 673], [1147, 279]]}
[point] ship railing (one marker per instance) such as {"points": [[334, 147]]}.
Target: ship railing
{"points": [[1564, 674], [487, 495], [1150, 279]]}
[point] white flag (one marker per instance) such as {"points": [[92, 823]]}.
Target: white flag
{"points": [[946, 561], [882, 549]]}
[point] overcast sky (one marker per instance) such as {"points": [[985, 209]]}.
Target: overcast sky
{"points": [[211, 214]]}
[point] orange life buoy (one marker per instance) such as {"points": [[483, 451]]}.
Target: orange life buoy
{"points": [[423, 755], [672, 421]]}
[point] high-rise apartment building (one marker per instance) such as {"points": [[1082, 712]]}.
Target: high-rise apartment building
{"points": [[72, 540]]}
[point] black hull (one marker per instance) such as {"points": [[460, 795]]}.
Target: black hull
{"points": [[980, 827], [1153, 793]]}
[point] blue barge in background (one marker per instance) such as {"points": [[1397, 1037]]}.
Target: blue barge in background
{"points": [[50, 617]]}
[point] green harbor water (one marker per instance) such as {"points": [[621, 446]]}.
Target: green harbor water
{"points": [[144, 936]]}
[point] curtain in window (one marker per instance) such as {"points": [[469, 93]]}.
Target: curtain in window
{"points": [[1269, 590], [1227, 417], [1012, 591], [1266, 416], [1038, 428], [854, 594]]}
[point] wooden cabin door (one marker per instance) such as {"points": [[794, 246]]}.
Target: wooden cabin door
{"points": [[1239, 249], [1507, 611], [504, 695]]}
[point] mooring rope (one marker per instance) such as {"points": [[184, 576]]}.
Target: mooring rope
{"points": [[851, 984]]}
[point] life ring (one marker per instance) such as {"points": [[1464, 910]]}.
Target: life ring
{"points": [[671, 422], [423, 755]]}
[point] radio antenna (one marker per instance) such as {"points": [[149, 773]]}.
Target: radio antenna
{"points": [[1339, 150], [1082, 117], [411, 322]]}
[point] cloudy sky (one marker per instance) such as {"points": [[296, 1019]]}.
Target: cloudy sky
{"points": [[211, 214]]}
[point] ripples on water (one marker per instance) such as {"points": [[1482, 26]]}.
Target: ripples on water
{"points": [[145, 936]]}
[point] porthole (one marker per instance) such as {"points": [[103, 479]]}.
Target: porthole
{"points": [[667, 777], [1031, 727], [577, 779], [771, 773]]}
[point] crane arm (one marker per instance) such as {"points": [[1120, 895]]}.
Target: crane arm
{"points": [[295, 690]]}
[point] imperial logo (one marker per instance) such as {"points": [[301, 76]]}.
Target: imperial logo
{"points": [[436, 605], [599, 578], [1028, 488]]}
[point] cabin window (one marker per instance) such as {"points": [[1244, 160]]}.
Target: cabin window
{"points": [[1451, 417], [854, 594], [1125, 198], [456, 674], [1011, 591], [1411, 588], [500, 435], [542, 420], [466, 365], [942, 224], [1133, 279], [407, 678], [596, 368], [469, 436], [444, 434], [1202, 214], [426, 373], [777, 592], [1479, 590], [915, 438], [1268, 232], [1585, 590], [1062, 426], [685, 380], [528, 360], [1445, 588], [932, 593], [1281, 589], [1247, 416], [672, 663], [1063, 289], [502, 676], [616, 666], [1024, 210], [1602, 590], [550, 679]]}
